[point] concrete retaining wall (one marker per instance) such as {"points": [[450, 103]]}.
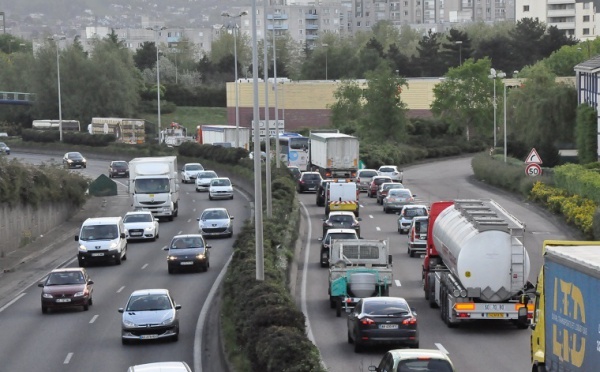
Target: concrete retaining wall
{"points": [[21, 225]]}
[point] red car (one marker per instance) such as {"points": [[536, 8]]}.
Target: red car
{"points": [[67, 287], [375, 183]]}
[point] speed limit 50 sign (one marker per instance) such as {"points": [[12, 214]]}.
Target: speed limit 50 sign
{"points": [[533, 170]]}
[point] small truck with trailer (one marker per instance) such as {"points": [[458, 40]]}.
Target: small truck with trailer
{"points": [[566, 326], [476, 265], [359, 268], [334, 155], [154, 185]]}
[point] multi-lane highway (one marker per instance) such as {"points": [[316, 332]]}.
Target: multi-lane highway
{"points": [[76, 340], [481, 346]]}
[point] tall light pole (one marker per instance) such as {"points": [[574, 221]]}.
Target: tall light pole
{"points": [[60, 128], [326, 46], [505, 146], [267, 121], [277, 150], [157, 30], [235, 84], [493, 75], [258, 222], [459, 43]]}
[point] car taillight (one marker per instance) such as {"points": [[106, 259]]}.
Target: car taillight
{"points": [[367, 321], [409, 321], [412, 235]]}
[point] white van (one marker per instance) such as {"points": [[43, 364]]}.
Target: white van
{"points": [[102, 239], [342, 195]]}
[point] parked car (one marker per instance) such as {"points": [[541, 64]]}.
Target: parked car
{"points": [[67, 287], [341, 220], [74, 160], [189, 172], [4, 149], [392, 171], [417, 235], [188, 252], [414, 360], [118, 168], [308, 181], [384, 188], [203, 180], [295, 171], [396, 199], [333, 234], [220, 188], [382, 320], [215, 222], [376, 181], [161, 367], [141, 225], [364, 178], [321, 190], [407, 213], [150, 314]]}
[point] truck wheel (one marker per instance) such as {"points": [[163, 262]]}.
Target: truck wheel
{"points": [[170, 218], [350, 340], [539, 368], [125, 255], [81, 263], [118, 260], [357, 213]]}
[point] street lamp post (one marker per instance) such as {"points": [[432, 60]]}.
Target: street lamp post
{"points": [[459, 43], [277, 150], [326, 46], [60, 128], [156, 30], [267, 121], [494, 75], [505, 146], [236, 87]]}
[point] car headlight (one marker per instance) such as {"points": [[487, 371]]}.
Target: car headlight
{"points": [[200, 256], [84, 160], [149, 228], [171, 258], [69, 161], [113, 246], [47, 295], [83, 248], [128, 324], [78, 294], [168, 321]]}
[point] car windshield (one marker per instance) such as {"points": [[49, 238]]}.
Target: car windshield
{"points": [[214, 215], [149, 303], [119, 164], [386, 308], [74, 155], [193, 167], [189, 242], [207, 175], [308, 177], [220, 182], [138, 218], [424, 364], [393, 186], [341, 218], [387, 169], [99, 232], [152, 186], [65, 278], [399, 193], [379, 181], [2, 144], [340, 236], [413, 212], [367, 174]]}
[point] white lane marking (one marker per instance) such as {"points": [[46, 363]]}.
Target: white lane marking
{"points": [[12, 302], [378, 228], [370, 216], [145, 266], [180, 231], [93, 318], [199, 332], [362, 206], [120, 289], [398, 284], [68, 358], [441, 348], [189, 220]]}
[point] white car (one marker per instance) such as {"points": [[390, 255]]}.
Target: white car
{"points": [[391, 171], [220, 188], [215, 222], [189, 172], [407, 213], [203, 180], [140, 225]]}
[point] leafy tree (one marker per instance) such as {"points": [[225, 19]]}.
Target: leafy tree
{"points": [[562, 62], [464, 98], [384, 114], [457, 48], [145, 56], [496, 50], [399, 62], [586, 130], [429, 58], [553, 40], [346, 112], [385, 33]]}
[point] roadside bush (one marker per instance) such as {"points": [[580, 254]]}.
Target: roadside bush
{"points": [[283, 349], [579, 180], [224, 155]]}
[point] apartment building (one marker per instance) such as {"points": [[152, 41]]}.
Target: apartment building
{"points": [[575, 17]]}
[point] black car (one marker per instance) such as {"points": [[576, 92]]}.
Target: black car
{"points": [[341, 220], [382, 320], [74, 160], [321, 192], [295, 171], [118, 168], [309, 181], [188, 252]]}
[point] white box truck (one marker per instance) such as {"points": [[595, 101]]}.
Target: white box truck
{"points": [[224, 135], [334, 155], [154, 185]]}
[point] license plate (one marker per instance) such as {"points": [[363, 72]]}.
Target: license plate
{"points": [[187, 263], [97, 254], [136, 234], [496, 315], [388, 326], [148, 337], [62, 300]]}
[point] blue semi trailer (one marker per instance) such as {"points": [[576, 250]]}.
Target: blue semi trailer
{"points": [[566, 323]]}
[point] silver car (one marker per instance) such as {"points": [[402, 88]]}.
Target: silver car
{"points": [[215, 222], [150, 314], [407, 213], [396, 199], [417, 235], [364, 177], [392, 171], [203, 180], [220, 188], [190, 171]]}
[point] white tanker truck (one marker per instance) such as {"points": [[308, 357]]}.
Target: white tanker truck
{"points": [[476, 265]]}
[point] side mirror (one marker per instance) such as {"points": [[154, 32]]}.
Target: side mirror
{"points": [[90, 282], [41, 285], [121, 310], [320, 239], [122, 235], [177, 307], [76, 238], [209, 246], [197, 219], [156, 220], [358, 218], [165, 248], [231, 217]]}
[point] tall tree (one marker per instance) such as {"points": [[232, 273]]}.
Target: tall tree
{"points": [[586, 132], [553, 40], [464, 99], [526, 36], [145, 56], [346, 112], [457, 48], [429, 59]]}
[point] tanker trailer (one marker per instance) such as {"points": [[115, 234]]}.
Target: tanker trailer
{"points": [[476, 265]]}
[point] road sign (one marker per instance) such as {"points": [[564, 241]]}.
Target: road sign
{"points": [[533, 157], [361, 164], [533, 170]]}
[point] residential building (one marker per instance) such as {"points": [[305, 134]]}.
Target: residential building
{"points": [[575, 17], [587, 78]]}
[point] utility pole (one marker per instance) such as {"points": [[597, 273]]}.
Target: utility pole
{"points": [[267, 126]]}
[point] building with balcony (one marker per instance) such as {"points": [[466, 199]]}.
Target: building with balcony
{"points": [[575, 17]]}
